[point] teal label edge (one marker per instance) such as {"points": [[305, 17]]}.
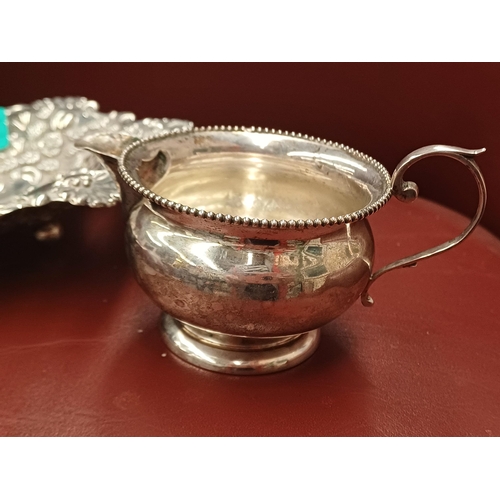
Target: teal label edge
{"points": [[4, 129]]}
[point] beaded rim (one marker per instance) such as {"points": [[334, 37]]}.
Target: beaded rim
{"points": [[248, 221]]}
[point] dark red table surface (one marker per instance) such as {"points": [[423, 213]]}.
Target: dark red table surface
{"points": [[81, 355]]}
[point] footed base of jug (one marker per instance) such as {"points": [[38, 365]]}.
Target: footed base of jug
{"points": [[230, 354]]}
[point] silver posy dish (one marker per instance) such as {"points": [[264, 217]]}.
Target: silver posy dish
{"points": [[250, 239], [41, 165]]}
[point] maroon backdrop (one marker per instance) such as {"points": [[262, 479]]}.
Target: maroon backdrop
{"points": [[80, 351], [384, 110]]}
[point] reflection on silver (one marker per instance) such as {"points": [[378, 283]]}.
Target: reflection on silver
{"points": [[265, 356], [242, 244], [347, 165]]}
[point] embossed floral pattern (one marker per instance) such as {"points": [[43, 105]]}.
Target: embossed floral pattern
{"points": [[41, 164]]}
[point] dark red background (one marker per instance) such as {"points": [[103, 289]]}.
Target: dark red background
{"points": [[80, 351], [384, 110]]}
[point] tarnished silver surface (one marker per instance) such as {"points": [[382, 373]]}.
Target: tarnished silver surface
{"points": [[42, 166], [244, 235]]}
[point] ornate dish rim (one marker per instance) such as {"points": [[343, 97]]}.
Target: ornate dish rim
{"points": [[248, 221]]}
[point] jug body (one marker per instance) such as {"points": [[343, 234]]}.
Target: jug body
{"points": [[246, 286]]}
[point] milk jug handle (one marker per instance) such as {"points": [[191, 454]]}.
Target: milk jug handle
{"points": [[407, 191]]}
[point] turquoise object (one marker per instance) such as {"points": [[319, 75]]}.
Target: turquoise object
{"points": [[4, 130]]}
